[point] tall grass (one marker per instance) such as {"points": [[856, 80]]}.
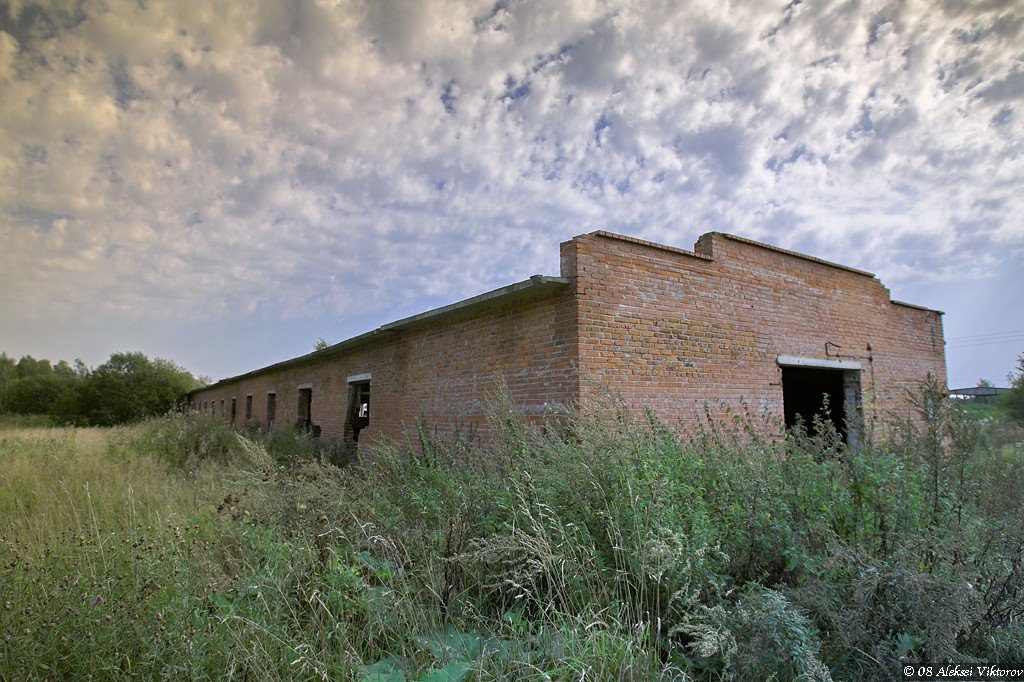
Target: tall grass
{"points": [[63, 480], [603, 547]]}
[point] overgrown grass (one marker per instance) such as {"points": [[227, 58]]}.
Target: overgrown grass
{"points": [[64, 480], [596, 548], [12, 421]]}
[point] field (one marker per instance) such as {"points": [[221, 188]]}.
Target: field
{"points": [[594, 548]]}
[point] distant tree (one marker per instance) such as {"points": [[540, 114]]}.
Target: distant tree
{"points": [[320, 344], [29, 366], [130, 386], [63, 369], [8, 374], [31, 386], [985, 383], [36, 393], [1013, 400]]}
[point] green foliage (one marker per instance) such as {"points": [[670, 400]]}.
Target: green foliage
{"points": [[1012, 401], [188, 440], [32, 386], [10, 420], [128, 387]]}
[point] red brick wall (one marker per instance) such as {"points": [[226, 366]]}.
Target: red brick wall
{"points": [[664, 328], [440, 371], [672, 330]]}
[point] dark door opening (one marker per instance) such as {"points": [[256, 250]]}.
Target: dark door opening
{"points": [[304, 411], [358, 410], [810, 391]]}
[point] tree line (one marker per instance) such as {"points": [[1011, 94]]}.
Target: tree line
{"points": [[125, 388]]}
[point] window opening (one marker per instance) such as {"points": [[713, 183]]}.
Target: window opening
{"points": [[248, 407], [234, 409], [271, 408], [222, 407]]}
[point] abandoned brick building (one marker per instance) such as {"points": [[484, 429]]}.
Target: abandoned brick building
{"points": [[732, 323]]}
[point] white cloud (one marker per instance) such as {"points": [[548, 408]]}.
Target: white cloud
{"points": [[315, 158]]}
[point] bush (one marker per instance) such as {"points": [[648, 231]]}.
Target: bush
{"points": [[126, 388], [1012, 401]]}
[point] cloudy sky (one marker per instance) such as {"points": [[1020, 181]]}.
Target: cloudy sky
{"points": [[222, 183]]}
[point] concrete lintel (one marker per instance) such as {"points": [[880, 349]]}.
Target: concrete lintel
{"points": [[302, 386], [356, 378], [795, 361]]}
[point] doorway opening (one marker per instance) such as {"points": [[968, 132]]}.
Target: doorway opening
{"points": [[304, 411], [832, 395], [358, 417]]}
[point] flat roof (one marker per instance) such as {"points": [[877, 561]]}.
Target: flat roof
{"points": [[978, 390], [533, 285]]}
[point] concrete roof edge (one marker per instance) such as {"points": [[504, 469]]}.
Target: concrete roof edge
{"points": [[916, 307], [644, 242], [795, 254], [532, 282], [980, 390]]}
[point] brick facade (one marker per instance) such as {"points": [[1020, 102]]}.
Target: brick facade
{"points": [[666, 329]]}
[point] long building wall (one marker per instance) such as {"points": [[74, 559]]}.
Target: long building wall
{"points": [[664, 328], [439, 372]]}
